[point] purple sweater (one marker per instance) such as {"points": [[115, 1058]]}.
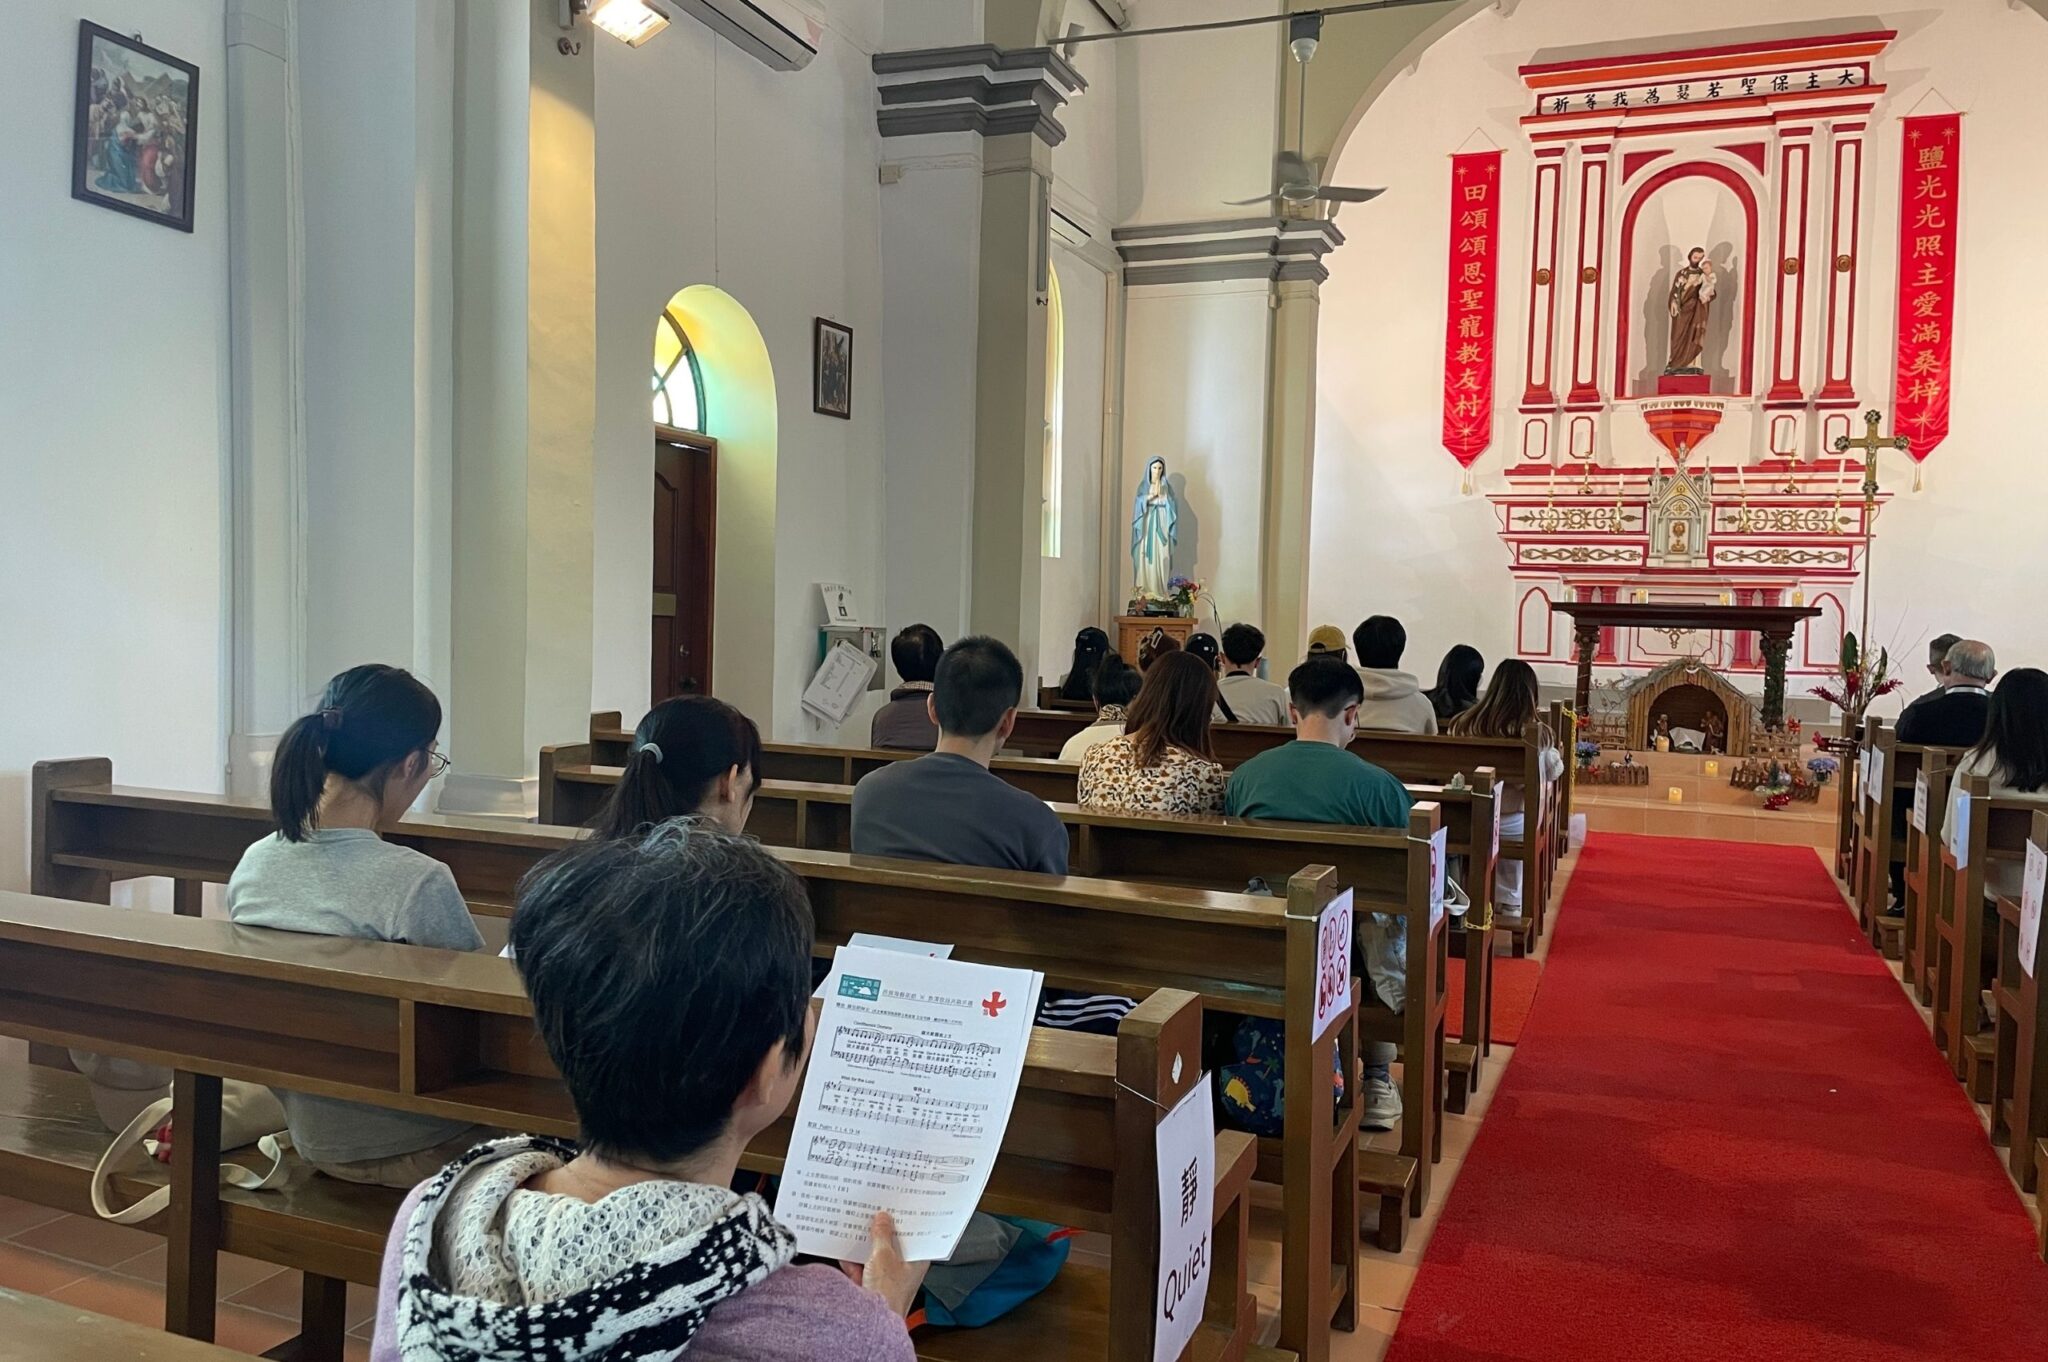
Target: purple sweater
{"points": [[810, 1313]]}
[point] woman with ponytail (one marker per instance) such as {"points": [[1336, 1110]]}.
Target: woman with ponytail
{"points": [[693, 757], [355, 765]]}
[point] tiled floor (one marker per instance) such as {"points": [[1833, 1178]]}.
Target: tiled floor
{"points": [[118, 1271]]}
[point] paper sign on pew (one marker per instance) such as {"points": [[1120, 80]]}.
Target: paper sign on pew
{"points": [[1186, 1148], [1333, 965], [1873, 780], [1920, 801], [2030, 906], [911, 1082], [1956, 834], [1439, 861]]}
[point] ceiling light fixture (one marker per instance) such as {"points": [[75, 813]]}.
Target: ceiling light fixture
{"points": [[632, 22]]}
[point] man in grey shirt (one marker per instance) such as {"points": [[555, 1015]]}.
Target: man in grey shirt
{"points": [[1248, 698], [949, 806]]}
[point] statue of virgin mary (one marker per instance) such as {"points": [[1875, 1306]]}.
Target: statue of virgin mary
{"points": [[1155, 525]]}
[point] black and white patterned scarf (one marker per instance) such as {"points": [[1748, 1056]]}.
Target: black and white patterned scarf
{"points": [[650, 1308]]}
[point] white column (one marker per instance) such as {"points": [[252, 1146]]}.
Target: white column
{"points": [[1009, 406], [525, 369], [267, 481], [931, 205], [1290, 469]]}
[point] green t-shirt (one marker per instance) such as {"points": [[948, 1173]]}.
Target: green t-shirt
{"points": [[1313, 782]]}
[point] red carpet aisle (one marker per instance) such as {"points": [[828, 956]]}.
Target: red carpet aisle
{"points": [[1724, 1136], [1514, 992]]}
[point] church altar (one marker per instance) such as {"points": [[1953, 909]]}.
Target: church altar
{"points": [[1773, 624]]}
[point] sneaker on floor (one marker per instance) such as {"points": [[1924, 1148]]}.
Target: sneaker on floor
{"points": [[1382, 1105]]}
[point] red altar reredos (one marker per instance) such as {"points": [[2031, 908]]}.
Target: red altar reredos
{"points": [[1705, 475]]}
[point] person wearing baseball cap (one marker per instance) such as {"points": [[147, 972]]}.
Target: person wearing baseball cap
{"points": [[1327, 640]]}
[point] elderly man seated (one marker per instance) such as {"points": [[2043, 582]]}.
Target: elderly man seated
{"points": [[1953, 715]]}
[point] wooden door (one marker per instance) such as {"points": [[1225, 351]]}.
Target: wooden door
{"points": [[685, 538]]}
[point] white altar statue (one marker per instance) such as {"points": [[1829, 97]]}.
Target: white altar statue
{"points": [[1155, 526]]}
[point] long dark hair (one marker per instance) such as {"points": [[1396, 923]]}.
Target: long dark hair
{"points": [[1089, 646], [1509, 707], [370, 719], [680, 750], [2016, 730], [1457, 681], [1173, 708]]}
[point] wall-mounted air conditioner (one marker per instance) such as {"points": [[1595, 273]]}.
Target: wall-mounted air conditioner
{"points": [[774, 32]]}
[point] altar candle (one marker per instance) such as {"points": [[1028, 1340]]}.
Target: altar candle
{"points": [[1713, 768], [1675, 795], [1642, 596], [1725, 598], [1799, 598]]}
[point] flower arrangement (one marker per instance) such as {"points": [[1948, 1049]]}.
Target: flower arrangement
{"points": [[1823, 769], [1857, 681], [1186, 591], [1587, 751]]}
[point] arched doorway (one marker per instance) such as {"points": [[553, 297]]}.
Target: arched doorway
{"points": [[715, 432], [685, 519]]}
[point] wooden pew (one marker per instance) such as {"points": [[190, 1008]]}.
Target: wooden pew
{"points": [[50, 1331], [1209, 852], [1923, 869], [1049, 697], [1243, 953], [450, 1034], [2019, 1097], [1897, 767], [571, 789], [1997, 831]]}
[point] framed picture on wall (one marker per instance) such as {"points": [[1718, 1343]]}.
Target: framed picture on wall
{"points": [[135, 126], [832, 369]]}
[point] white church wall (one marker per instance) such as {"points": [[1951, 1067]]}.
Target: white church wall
{"points": [[1391, 532], [712, 169], [113, 435], [1195, 395], [1197, 113], [1070, 585]]}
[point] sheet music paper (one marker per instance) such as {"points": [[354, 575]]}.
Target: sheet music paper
{"points": [[840, 681], [911, 1081]]}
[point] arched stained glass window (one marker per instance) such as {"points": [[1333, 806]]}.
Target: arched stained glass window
{"points": [[678, 384]]}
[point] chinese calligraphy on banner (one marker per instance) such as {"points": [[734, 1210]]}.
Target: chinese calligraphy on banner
{"points": [[1468, 329], [1928, 207]]}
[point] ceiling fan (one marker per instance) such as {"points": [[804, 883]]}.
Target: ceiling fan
{"points": [[1298, 182]]}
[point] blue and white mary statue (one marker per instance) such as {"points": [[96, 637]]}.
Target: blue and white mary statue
{"points": [[1155, 525]]}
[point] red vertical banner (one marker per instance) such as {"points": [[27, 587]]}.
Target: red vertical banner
{"points": [[1929, 205], [1473, 284]]}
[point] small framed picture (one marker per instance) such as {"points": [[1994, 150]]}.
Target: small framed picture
{"points": [[135, 127], [832, 369]]}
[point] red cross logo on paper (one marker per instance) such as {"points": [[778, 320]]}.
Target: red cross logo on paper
{"points": [[994, 1003]]}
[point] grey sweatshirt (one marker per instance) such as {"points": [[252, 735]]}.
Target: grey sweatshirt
{"points": [[351, 882]]}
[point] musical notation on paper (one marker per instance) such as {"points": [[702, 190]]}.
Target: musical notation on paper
{"points": [[912, 1077]]}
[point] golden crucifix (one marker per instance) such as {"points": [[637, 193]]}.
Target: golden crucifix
{"points": [[1870, 444]]}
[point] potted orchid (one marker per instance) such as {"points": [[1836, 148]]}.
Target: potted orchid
{"points": [[1858, 680]]}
